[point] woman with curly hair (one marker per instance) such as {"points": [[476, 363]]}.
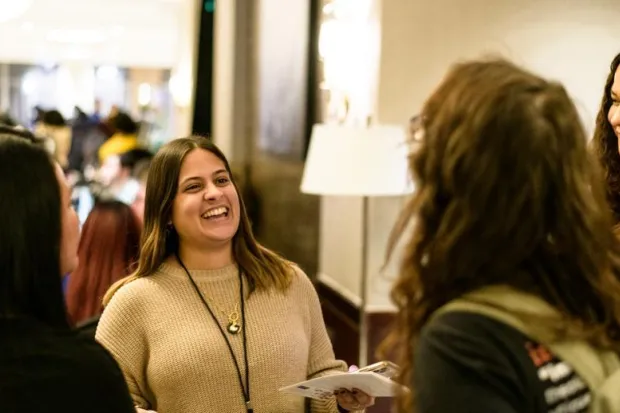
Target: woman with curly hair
{"points": [[607, 135], [509, 217]]}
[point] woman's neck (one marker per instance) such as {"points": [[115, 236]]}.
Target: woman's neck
{"points": [[202, 259]]}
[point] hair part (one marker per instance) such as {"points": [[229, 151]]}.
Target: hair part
{"points": [[263, 268], [507, 193]]}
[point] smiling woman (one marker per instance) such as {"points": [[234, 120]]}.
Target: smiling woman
{"points": [[607, 136], [212, 320], [210, 224]]}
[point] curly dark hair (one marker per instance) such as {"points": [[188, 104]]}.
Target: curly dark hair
{"points": [[606, 144], [506, 193]]}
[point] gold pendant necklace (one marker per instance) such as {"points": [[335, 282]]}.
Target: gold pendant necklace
{"points": [[234, 325], [233, 320]]}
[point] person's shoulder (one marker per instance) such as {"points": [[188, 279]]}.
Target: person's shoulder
{"points": [[466, 353], [69, 362], [300, 280], [476, 343], [139, 288], [92, 371], [454, 322], [81, 355], [464, 331], [132, 298], [89, 352]]}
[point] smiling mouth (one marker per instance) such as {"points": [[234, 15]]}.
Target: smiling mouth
{"points": [[220, 212]]}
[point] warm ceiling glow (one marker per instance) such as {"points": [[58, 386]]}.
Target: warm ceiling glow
{"points": [[12, 9], [349, 50], [76, 36]]}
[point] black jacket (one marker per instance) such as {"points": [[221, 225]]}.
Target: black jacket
{"points": [[44, 370], [88, 328], [469, 363]]}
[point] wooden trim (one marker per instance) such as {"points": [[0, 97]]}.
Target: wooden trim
{"points": [[342, 320], [348, 309]]}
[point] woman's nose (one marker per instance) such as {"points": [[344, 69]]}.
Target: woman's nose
{"points": [[614, 119], [212, 192]]}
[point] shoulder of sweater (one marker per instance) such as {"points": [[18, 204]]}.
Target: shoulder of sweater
{"points": [[127, 311], [300, 279], [302, 286], [132, 295]]}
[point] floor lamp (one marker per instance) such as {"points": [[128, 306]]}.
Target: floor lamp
{"points": [[363, 162]]}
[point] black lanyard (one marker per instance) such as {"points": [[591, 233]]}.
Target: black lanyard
{"points": [[245, 387]]}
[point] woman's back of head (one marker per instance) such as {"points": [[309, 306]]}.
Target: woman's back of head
{"points": [[108, 250], [30, 239], [507, 193]]}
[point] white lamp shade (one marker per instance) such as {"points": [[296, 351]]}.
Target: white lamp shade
{"points": [[357, 161]]}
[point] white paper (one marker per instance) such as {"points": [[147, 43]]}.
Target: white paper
{"points": [[372, 384]]}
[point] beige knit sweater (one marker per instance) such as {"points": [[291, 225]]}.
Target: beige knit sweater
{"points": [[174, 357]]}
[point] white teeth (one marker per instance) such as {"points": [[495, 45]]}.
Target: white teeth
{"points": [[215, 212]]}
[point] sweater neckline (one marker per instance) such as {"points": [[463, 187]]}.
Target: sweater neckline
{"points": [[213, 275]]}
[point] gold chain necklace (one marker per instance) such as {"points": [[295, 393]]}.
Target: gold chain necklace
{"points": [[234, 326]]}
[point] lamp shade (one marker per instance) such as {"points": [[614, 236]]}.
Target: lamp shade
{"points": [[357, 161]]}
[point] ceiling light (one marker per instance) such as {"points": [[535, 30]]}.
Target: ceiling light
{"points": [[144, 94], [107, 72]]}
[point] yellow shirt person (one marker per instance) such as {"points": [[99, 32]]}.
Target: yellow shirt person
{"points": [[125, 138], [118, 144]]}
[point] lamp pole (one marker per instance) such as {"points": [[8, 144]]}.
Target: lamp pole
{"points": [[363, 340]]}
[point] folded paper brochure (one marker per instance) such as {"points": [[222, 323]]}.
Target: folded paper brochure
{"points": [[324, 387]]}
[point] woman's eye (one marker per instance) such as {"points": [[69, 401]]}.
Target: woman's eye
{"points": [[222, 181], [192, 187]]}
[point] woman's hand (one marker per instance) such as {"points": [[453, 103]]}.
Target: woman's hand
{"points": [[353, 399]]}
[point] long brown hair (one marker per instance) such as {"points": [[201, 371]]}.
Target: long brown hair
{"points": [[506, 193], [606, 144], [108, 252], [263, 268]]}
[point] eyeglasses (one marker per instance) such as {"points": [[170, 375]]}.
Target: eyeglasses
{"points": [[416, 128]]}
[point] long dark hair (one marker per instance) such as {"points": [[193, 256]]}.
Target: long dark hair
{"points": [[264, 268], [30, 233], [108, 252], [606, 144], [506, 193]]}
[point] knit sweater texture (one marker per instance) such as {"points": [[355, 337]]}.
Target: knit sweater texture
{"points": [[175, 359]]}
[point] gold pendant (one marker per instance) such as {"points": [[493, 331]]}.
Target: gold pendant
{"points": [[233, 327], [233, 322]]}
